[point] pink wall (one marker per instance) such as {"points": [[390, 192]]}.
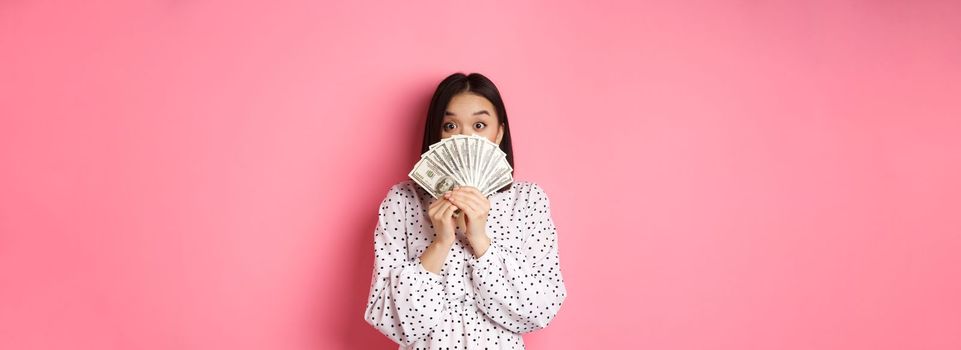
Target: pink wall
{"points": [[724, 175]]}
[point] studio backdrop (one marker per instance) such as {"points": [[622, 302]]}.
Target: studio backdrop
{"points": [[723, 175]]}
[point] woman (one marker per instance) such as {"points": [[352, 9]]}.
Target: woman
{"points": [[477, 280]]}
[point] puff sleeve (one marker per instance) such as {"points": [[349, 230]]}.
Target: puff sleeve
{"points": [[522, 290], [406, 301]]}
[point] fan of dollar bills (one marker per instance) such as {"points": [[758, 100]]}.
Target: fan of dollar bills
{"points": [[463, 161]]}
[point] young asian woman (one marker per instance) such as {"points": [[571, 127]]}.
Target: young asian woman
{"points": [[478, 280]]}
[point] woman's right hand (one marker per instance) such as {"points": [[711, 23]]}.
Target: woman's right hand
{"points": [[441, 214]]}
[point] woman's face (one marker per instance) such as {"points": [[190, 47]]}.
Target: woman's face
{"points": [[471, 114]]}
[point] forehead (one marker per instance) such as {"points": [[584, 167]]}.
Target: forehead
{"points": [[465, 104]]}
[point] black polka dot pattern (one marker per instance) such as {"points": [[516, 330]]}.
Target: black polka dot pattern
{"points": [[484, 302]]}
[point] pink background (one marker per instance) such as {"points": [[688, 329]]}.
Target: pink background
{"points": [[723, 175]]}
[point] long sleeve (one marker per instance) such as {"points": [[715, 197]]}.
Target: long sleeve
{"points": [[522, 290], [406, 300]]}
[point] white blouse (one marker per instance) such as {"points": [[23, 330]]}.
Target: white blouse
{"points": [[474, 303]]}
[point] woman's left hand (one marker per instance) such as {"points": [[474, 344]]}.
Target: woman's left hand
{"points": [[475, 207]]}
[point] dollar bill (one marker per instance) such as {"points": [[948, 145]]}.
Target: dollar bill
{"points": [[430, 177], [465, 161]]}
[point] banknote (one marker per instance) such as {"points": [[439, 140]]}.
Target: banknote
{"points": [[462, 160], [432, 178]]}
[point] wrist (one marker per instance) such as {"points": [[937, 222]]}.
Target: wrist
{"points": [[478, 237], [445, 241]]}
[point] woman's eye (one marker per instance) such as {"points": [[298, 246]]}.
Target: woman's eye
{"points": [[479, 125], [448, 126]]}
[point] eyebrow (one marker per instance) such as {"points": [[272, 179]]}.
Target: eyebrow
{"points": [[483, 111]]}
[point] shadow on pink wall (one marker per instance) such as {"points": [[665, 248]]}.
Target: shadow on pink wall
{"points": [[348, 299]]}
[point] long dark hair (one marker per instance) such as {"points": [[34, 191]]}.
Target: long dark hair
{"points": [[459, 83]]}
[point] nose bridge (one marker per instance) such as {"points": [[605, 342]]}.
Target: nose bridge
{"points": [[466, 130]]}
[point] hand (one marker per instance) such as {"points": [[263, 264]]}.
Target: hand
{"points": [[441, 214], [475, 208]]}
